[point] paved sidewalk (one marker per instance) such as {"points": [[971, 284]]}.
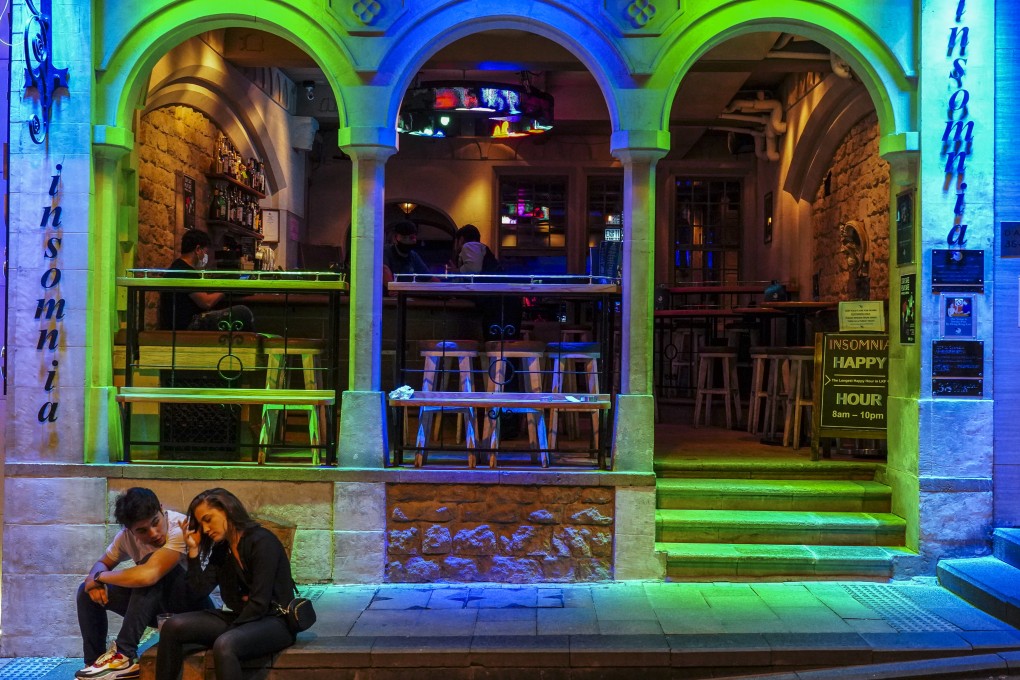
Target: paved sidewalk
{"points": [[662, 629]]}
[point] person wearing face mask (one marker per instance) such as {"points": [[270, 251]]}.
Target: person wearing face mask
{"points": [[400, 256], [195, 311]]}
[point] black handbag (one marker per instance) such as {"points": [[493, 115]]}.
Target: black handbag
{"points": [[299, 614]]}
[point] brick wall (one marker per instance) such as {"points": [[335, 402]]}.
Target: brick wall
{"points": [[859, 184], [501, 533]]}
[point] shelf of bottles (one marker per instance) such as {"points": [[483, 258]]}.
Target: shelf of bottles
{"points": [[237, 188]]}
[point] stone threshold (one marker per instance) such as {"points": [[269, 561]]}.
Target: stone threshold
{"points": [[157, 471]]}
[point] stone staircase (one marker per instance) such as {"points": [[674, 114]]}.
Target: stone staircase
{"points": [[988, 583], [744, 518]]}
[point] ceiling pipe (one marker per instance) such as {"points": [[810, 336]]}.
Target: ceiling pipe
{"points": [[764, 142], [840, 67], [772, 106]]}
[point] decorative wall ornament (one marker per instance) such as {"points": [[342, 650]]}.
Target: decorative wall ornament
{"points": [[367, 11], [642, 18], [366, 17], [640, 12], [39, 70]]}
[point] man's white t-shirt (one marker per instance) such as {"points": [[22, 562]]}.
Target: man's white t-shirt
{"points": [[127, 546]]}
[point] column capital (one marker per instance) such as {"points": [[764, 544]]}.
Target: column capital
{"points": [[110, 142], [902, 152], [635, 146], [368, 142]]}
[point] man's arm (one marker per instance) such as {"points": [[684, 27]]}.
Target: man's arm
{"points": [[101, 565], [206, 300], [145, 574]]}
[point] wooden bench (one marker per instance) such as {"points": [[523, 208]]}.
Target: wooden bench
{"points": [[212, 395], [520, 402], [194, 350]]}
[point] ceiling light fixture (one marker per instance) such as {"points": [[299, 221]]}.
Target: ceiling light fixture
{"points": [[475, 109], [407, 207]]}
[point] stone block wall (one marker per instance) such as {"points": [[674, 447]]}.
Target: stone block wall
{"points": [[171, 140], [501, 533], [859, 184]]}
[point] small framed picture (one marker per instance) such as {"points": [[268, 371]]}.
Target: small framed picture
{"points": [[958, 318], [768, 217]]}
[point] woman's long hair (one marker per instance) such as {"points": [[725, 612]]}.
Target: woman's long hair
{"points": [[238, 519]]}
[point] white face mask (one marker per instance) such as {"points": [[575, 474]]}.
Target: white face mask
{"points": [[204, 261]]}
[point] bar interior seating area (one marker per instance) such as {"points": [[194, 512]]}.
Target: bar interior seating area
{"points": [[517, 368]]}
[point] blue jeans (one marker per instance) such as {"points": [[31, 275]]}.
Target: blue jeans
{"points": [[230, 644], [138, 606]]}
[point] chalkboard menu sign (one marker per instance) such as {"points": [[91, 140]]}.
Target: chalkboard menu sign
{"points": [[854, 384], [962, 270], [957, 368]]}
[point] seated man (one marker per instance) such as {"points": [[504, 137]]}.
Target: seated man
{"points": [[195, 311], [400, 256], [152, 538]]}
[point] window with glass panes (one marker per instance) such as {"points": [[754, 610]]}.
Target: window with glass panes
{"points": [[706, 230], [532, 215]]}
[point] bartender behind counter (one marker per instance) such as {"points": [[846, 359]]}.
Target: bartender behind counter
{"points": [[194, 311]]}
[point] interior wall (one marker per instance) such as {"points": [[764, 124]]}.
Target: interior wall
{"points": [[858, 191]]}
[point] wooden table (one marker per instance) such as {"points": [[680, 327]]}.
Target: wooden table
{"points": [[798, 311]]}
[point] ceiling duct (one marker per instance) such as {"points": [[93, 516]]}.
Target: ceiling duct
{"points": [[767, 115]]}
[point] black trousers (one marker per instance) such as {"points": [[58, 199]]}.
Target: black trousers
{"points": [[230, 645]]}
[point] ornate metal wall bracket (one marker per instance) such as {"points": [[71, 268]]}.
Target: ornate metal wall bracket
{"points": [[39, 70]]}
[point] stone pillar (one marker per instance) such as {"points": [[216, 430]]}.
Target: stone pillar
{"points": [[103, 442], [362, 420], [957, 94], [634, 435]]}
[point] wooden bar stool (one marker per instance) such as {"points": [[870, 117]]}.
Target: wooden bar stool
{"points": [[585, 357], [278, 350], [725, 358], [460, 355], [778, 367], [799, 391], [529, 354], [759, 388]]}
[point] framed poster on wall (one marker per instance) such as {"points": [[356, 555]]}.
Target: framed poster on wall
{"points": [[271, 225], [905, 228]]}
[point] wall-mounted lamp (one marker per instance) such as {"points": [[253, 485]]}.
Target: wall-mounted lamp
{"points": [[309, 86], [407, 207]]}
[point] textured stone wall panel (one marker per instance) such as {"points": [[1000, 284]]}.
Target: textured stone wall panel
{"points": [[859, 182], [502, 533]]}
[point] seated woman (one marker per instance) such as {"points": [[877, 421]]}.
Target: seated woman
{"points": [[250, 566]]}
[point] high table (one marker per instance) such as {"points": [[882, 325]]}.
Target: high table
{"points": [[600, 292], [798, 311]]}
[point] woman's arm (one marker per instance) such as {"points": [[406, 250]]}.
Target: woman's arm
{"points": [[201, 581], [262, 554]]}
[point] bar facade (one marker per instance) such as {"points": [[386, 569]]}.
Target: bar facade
{"points": [[111, 129]]}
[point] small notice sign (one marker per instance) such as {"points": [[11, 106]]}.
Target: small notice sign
{"points": [[1010, 239], [862, 315], [957, 368], [907, 300], [957, 315]]}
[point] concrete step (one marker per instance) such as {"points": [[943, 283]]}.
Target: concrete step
{"points": [[744, 468], [986, 582], [827, 495], [1006, 545], [765, 562], [783, 527]]}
